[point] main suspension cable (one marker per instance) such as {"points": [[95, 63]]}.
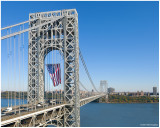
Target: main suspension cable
{"points": [[85, 67], [83, 86], [14, 25], [31, 28]]}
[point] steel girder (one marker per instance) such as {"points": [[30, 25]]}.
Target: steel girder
{"points": [[59, 35]]}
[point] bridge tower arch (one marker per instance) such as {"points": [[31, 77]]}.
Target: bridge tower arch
{"points": [[59, 33]]}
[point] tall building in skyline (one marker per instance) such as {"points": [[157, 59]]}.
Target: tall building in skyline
{"points": [[111, 90], [154, 90], [142, 93]]}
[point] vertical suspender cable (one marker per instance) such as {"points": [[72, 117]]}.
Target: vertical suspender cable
{"points": [[54, 67], [56, 97], [47, 73], [15, 72], [19, 66], [59, 92], [52, 78], [11, 63], [44, 69], [27, 78], [47, 80], [8, 65], [60, 78], [60, 70], [23, 65], [49, 77], [63, 78], [54, 94]]}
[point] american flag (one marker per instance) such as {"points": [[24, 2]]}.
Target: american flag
{"points": [[55, 73]]}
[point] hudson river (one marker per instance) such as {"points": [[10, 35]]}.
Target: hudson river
{"points": [[116, 115]]}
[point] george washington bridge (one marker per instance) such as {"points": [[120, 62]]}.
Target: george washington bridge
{"points": [[46, 38]]}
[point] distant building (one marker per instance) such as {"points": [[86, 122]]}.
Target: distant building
{"points": [[142, 93], [126, 93], [146, 93], [121, 93], [138, 93], [115, 93], [132, 94], [155, 91], [111, 90]]}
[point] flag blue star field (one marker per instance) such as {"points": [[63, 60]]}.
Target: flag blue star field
{"points": [[55, 73]]}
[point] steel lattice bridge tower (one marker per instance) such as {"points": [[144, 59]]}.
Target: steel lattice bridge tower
{"points": [[48, 31], [61, 34]]}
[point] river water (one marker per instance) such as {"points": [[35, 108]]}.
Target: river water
{"points": [[115, 115], [119, 115]]}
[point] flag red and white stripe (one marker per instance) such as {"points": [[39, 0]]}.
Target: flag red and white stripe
{"points": [[55, 73]]}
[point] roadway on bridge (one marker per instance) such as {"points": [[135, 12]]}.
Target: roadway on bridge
{"points": [[40, 110]]}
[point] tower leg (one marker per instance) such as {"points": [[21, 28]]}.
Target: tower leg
{"points": [[71, 72]]}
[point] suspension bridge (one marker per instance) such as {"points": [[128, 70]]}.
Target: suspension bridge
{"points": [[47, 38]]}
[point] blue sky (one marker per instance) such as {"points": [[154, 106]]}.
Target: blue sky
{"points": [[119, 40]]}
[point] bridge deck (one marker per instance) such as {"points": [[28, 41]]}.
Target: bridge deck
{"points": [[25, 115], [30, 115]]}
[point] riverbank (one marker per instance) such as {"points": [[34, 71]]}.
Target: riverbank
{"points": [[23, 95], [130, 99], [13, 95], [111, 98]]}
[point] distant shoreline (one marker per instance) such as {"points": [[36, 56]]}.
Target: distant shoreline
{"points": [[105, 102], [128, 99], [129, 103], [134, 103]]}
